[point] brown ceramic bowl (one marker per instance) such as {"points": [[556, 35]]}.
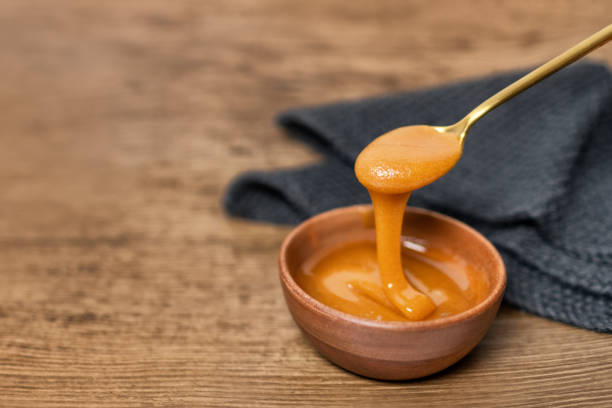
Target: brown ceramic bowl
{"points": [[390, 350]]}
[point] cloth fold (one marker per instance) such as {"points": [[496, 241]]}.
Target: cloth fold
{"points": [[535, 178]]}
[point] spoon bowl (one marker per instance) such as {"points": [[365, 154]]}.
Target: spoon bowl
{"points": [[389, 350]]}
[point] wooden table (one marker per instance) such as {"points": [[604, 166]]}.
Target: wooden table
{"points": [[122, 282]]}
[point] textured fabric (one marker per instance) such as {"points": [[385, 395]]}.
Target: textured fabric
{"points": [[535, 178]]}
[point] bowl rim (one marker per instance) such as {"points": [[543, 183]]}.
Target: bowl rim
{"points": [[330, 313]]}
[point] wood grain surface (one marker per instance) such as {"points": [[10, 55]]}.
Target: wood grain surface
{"points": [[122, 282]]}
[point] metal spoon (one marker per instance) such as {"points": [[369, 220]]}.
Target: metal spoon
{"points": [[576, 52]]}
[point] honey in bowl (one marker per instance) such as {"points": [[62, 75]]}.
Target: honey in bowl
{"points": [[347, 278], [389, 350]]}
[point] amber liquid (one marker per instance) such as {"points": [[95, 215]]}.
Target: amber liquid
{"points": [[348, 279], [391, 167], [385, 283]]}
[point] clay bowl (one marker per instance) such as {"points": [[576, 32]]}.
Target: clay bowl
{"points": [[390, 350]]}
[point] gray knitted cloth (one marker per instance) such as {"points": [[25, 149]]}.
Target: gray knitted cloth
{"points": [[535, 178]]}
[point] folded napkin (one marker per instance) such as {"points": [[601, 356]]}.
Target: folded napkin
{"points": [[535, 178]]}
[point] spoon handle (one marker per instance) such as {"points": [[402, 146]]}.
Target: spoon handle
{"points": [[579, 50]]}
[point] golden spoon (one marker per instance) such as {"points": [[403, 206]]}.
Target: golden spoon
{"points": [[576, 52]]}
